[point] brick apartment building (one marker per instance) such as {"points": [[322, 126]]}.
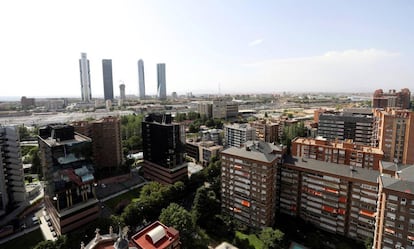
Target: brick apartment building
{"points": [[395, 219], [396, 134], [106, 140], [267, 131], [346, 152], [248, 179], [392, 99], [337, 198]]}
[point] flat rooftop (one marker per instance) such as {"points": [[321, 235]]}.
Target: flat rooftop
{"points": [[333, 169], [78, 138], [256, 150]]}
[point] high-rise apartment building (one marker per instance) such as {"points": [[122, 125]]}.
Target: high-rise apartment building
{"points": [[164, 149], [337, 198], [248, 182], [355, 124], [396, 135], [141, 79], [70, 197], [12, 188], [107, 79], [395, 220], [85, 78], [161, 82], [267, 131], [347, 153], [237, 134], [392, 99], [106, 141]]}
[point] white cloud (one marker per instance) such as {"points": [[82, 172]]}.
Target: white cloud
{"points": [[255, 42]]}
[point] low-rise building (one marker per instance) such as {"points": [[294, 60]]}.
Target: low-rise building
{"points": [[157, 236]]}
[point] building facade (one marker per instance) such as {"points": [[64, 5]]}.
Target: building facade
{"points": [[67, 167], [12, 187], [267, 131], [346, 153], [395, 220], [248, 182], [164, 149], [85, 78], [337, 198], [106, 141], [161, 82], [359, 127], [237, 134], [141, 79], [393, 98], [396, 135], [107, 79]]}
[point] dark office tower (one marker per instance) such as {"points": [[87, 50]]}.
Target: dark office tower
{"points": [[85, 78], [141, 79], [355, 124], [107, 79], [69, 195], [161, 86], [164, 148]]}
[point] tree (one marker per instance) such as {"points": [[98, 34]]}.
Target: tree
{"points": [[60, 243], [133, 214], [271, 239], [179, 218], [205, 207]]}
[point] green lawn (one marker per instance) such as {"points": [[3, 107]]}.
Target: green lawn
{"points": [[252, 238], [29, 240], [132, 195]]}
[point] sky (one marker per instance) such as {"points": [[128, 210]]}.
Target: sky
{"points": [[214, 46]]}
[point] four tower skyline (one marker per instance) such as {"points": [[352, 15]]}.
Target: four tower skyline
{"points": [[108, 79]]}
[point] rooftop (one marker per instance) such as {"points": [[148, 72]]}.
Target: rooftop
{"points": [[356, 173], [155, 236], [405, 180], [257, 150], [78, 138]]}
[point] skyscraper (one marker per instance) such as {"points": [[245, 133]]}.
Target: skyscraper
{"points": [[107, 79], [85, 78], [141, 79], [161, 86], [121, 94]]}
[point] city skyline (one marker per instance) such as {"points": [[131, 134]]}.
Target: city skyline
{"points": [[211, 47]]}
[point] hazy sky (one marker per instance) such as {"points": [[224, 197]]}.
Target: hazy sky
{"points": [[235, 46]]}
